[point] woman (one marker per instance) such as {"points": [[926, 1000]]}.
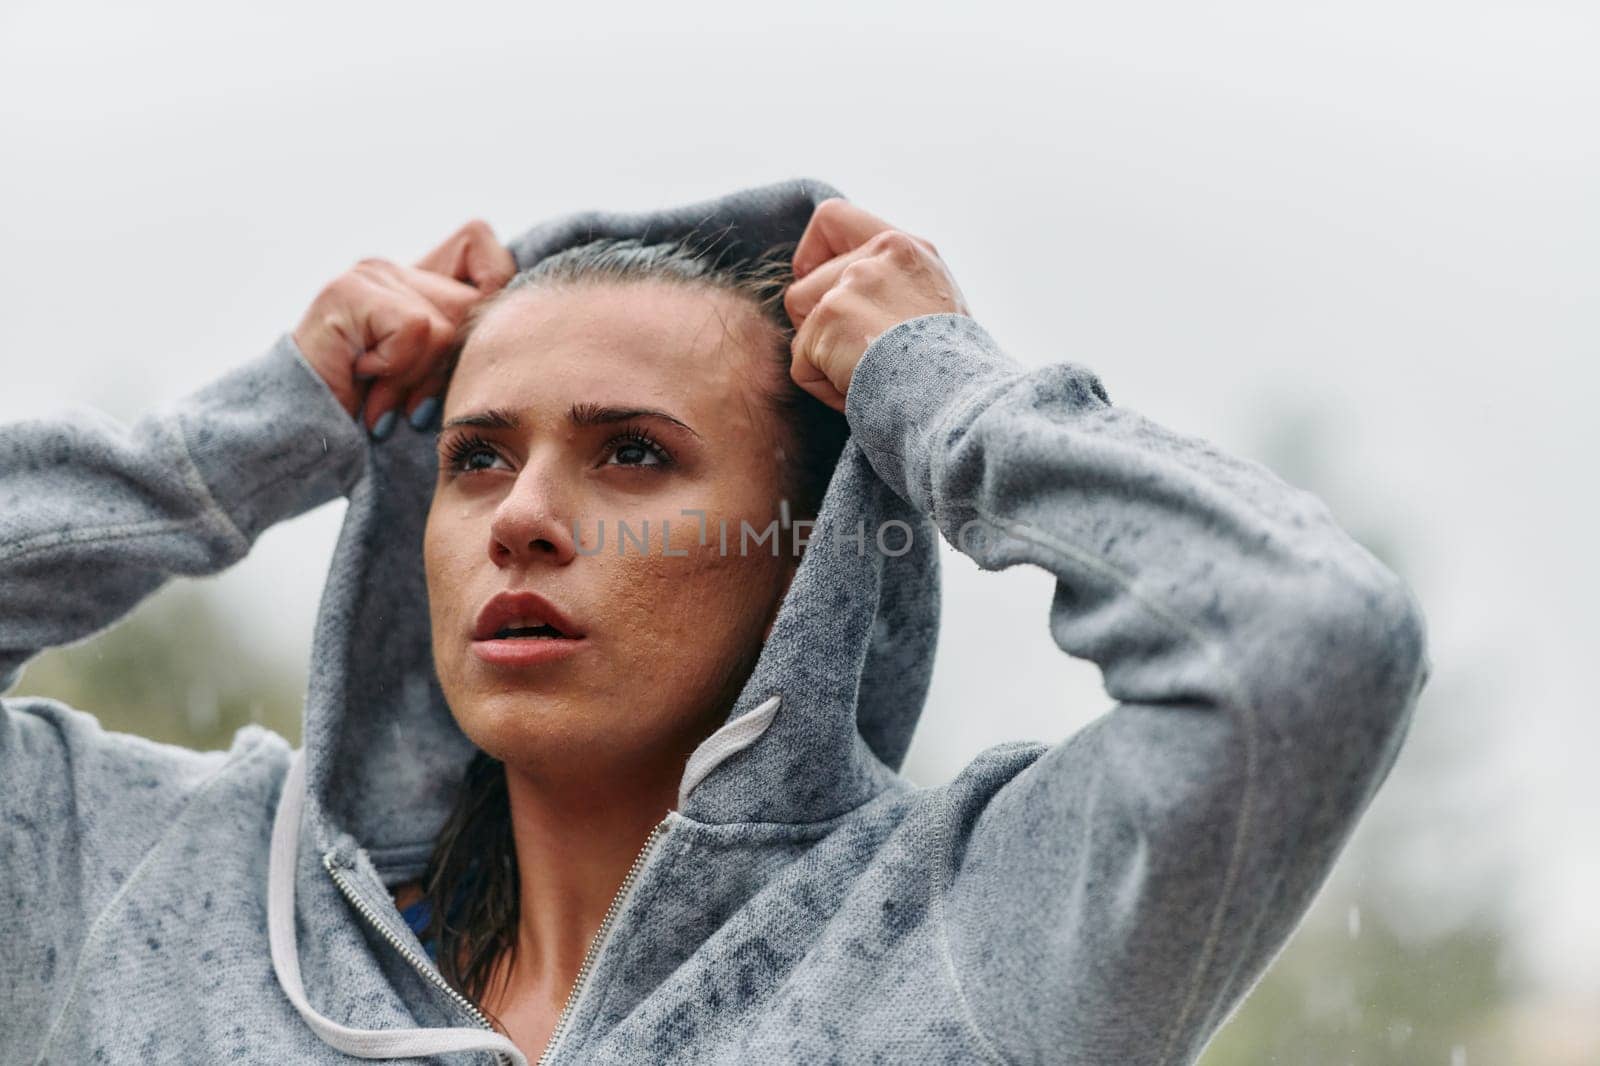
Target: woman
{"points": [[670, 827]]}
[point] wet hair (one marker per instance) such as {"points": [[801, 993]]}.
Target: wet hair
{"points": [[471, 882]]}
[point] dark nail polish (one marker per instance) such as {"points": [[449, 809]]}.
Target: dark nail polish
{"points": [[384, 426], [422, 417]]}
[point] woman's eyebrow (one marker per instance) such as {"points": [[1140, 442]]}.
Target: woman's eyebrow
{"points": [[489, 418], [580, 414], [594, 414]]}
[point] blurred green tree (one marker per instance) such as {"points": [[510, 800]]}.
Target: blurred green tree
{"points": [[169, 671]]}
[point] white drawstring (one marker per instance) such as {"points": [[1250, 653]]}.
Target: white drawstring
{"points": [[732, 738], [364, 1043]]}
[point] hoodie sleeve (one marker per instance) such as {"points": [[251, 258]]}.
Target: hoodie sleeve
{"points": [[1115, 898], [95, 515]]}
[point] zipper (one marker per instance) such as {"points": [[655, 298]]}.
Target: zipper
{"points": [[597, 942], [422, 966]]}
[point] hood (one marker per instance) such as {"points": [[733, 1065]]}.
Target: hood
{"points": [[849, 658]]}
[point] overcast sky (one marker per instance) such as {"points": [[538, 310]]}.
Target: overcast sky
{"points": [[1357, 243]]}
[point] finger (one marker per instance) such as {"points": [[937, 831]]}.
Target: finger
{"points": [[836, 226], [363, 387], [331, 353], [398, 334], [396, 384], [409, 342], [454, 298], [801, 297], [474, 255], [804, 366], [489, 264], [817, 384], [430, 388], [449, 296], [381, 408], [349, 394]]}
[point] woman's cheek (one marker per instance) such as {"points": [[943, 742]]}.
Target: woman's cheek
{"points": [[693, 616]]}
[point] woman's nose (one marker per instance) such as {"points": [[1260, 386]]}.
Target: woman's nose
{"points": [[532, 522]]}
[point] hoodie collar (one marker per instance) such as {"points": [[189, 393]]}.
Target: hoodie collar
{"points": [[849, 658]]}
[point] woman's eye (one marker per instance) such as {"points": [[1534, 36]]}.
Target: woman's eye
{"points": [[636, 449], [627, 449], [459, 457], [466, 462]]}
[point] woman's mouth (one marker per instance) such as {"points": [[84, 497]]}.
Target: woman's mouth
{"points": [[523, 614], [524, 628], [526, 646], [542, 631]]}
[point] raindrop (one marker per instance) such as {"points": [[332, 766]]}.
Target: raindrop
{"points": [[1353, 921], [1458, 1056]]}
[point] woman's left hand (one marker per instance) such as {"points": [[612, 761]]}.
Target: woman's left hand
{"points": [[856, 277]]}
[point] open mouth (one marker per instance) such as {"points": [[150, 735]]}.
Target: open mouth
{"points": [[526, 642], [525, 617], [539, 632]]}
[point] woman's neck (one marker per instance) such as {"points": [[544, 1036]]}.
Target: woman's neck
{"points": [[575, 841]]}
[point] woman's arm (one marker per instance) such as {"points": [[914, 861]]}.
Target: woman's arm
{"points": [[1116, 897], [96, 515], [1112, 898]]}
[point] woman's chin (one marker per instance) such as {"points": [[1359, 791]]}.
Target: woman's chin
{"points": [[504, 718]]}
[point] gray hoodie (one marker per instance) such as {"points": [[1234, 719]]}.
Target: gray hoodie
{"points": [[1108, 899]]}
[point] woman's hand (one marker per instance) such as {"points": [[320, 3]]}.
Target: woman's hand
{"points": [[377, 332], [857, 276]]}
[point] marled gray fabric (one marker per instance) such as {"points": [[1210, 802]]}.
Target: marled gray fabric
{"points": [[1107, 900]]}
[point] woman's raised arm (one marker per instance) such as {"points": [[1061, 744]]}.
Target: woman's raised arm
{"points": [[1120, 892], [1113, 898], [95, 515]]}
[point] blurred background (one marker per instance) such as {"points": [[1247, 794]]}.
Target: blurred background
{"points": [[1355, 242]]}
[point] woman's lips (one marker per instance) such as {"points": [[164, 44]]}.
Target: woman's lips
{"points": [[526, 651], [521, 607]]}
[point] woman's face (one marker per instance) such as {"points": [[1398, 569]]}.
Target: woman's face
{"points": [[669, 638]]}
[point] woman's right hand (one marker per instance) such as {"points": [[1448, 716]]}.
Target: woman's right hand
{"points": [[377, 333]]}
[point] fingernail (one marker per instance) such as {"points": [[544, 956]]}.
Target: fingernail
{"points": [[423, 415], [384, 426]]}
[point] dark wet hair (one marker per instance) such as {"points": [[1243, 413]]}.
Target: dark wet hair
{"points": [[471, 882]]}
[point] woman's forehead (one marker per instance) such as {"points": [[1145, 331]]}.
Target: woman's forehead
{"points": [[693, 346], [652, 324]]}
